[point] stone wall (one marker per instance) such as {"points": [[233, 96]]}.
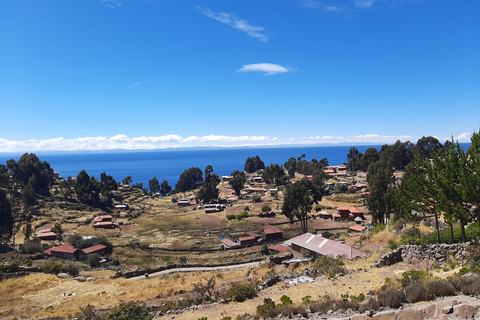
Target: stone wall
{"points": [[426, 256]]}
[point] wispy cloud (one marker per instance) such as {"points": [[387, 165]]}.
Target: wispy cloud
{"points": [[122, 141], [137, 84], [112, 3], [364, 3], [268, 68], [236, 23], [321, 5]]}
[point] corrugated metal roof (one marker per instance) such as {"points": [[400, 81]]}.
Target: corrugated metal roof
{"points": [[64, 248], [280, 248], [96, 248], [325, 247], [268, 229]]}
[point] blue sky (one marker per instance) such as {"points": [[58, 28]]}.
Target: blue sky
{"points": [[145, 74]]}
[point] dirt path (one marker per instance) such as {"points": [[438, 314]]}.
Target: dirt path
{"points": [[200, 269]]}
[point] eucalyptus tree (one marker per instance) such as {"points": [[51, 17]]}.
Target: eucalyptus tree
{"points": [[298, 201]]}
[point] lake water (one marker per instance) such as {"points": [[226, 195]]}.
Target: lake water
{"points": [[168, 165]]}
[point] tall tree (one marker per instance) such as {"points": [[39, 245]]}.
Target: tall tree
{"points": [[209, 191], [274, 174], [237, 181], [165, 188], [370, 156], [472, 177], [127, 180], [380, 178], [57, 228], [154, 185], [253, 164], [29, 165], [189, 180], [354, 157], [298, 201], [6, 218]]}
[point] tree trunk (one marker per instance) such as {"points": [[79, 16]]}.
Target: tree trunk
{"points": [[462, 227], [451, 232], [437, 227]]}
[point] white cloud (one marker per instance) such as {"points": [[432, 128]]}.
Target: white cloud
{"points": [[122, 141], [236, 23], [363, 3], [313, 4], [137, 84], [268, 68]]}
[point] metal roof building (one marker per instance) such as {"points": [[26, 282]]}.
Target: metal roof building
{"points": [[317, 245]]}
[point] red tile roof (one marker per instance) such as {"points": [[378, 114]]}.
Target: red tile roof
{"points": [[64, 248], [228, 242], [103, 218], [93, 249], [280, 248], [271, 229], [357, 228]]}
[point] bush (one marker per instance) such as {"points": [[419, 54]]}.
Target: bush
{"points": [[56, 267], [230, 216], [266, 309], [94, 260], [378, 227], [129, 311], [241, 291], [392, 244], [391, 297], [242, 215], [414, 276], [12, 267], [286, 300], [329, 266], [31, 247]]}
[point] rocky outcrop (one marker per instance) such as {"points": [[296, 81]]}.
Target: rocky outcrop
{"points": [[426, 256]]}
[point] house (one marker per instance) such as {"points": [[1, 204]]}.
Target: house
{"points": [[280, 248], [316, 246], [69, 252], [226, 178], [47, 235], [185, 202], [64, 251], [357, 228], [103, 218], [243, 241], [227, 243], [106, 225], [271, 233], [349, 213]]}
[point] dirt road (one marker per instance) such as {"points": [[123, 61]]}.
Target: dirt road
{"points": [[199, 269]]}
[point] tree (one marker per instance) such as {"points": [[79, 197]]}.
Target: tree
{"points": [[253, 164], [380, 178], [57, 228], [237, 181], [299, 200], [472, 176], [370, 156], [427, 146], [165, 188], [6, 218], [29, 165], [108, 183], [127, 180], [189, 180], [209, 191], [29, 197], [154, 185], [291, 166], [266, 209], [274, 174], [354, 157]]}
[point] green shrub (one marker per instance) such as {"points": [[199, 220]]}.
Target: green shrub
{"points": [[56, 267], [266, 309], [31, 247], [392, 244], [242, 215], [241, 291], [414, 276], [329, 266], [230, 216], [378, 227], [94, 260], [286, 300], [129, 311], [12, 267]]}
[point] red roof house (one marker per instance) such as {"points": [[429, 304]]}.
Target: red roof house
{"points": [[271, 233]]}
